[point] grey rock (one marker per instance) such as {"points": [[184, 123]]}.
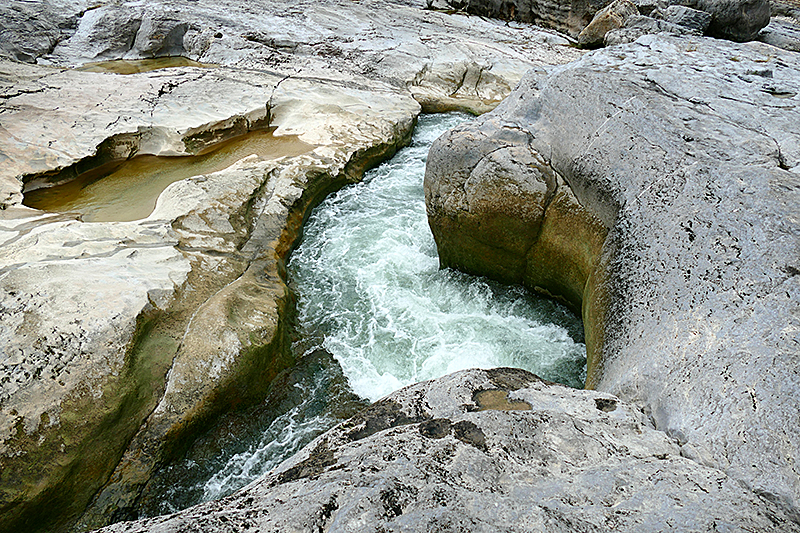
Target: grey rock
{"points": [[736, 20], [612, 17], [687, 150], [690, 18], [32, 29], [107, 32], [786, 8], [647, 7], [136, 334], [639, 25], [783, 33], [487, 451], [440, 5], [567, 16]]}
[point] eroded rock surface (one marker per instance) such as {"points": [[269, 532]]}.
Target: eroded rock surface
{"points": [[688, 151], [737, 20], [488, 450], [136, 334]]}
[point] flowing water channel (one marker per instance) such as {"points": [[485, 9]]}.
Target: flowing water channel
{"points": [[376, 313]]}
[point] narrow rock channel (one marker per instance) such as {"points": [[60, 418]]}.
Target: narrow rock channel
{"points": [[375, 314]]}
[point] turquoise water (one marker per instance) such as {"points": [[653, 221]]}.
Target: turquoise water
{"points": [[376, 313]]}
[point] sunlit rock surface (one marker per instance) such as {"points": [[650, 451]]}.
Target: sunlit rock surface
{"points": [[121, 339], [487, 451], [688, 151]]}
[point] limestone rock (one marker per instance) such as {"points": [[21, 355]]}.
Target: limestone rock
{"points": [[32, 29], [639, 25], [690, 18], [737, 20], [567, 16], [137, 334], [786, 9], [648, 7], [783, 33], [487, 450], [688, 150], [611, 17]]}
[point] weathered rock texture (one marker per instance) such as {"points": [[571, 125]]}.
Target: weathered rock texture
{"points": [[569, 16], [737, 20], [120, 340], [487, 451], [783, 30], [688, 151]]}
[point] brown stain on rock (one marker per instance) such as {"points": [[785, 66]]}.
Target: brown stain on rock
{"points": [[498, 400]]}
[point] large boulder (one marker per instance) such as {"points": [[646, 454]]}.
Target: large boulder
{"points": [[487, 451], [687, 152], [612, 17]]}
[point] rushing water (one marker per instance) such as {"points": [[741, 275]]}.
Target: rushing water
{"points": [[376, 313]]}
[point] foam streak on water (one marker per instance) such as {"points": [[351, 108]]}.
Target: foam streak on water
{"points": [[369, 287], [370, 292]]}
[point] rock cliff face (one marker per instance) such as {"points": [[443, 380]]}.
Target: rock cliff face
{"points": [[487, 451], [737, 20], [120, 340], [687, 152]]}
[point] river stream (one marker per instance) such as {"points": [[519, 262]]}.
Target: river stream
{"points": [[376, 313]]}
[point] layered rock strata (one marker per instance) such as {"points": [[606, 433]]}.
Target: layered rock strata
{"points": [[487, 451], [121, 340], [686, 151]]}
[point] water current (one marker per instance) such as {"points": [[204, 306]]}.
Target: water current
{"points": [[376, 313]]}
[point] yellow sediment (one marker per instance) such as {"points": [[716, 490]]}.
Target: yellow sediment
{"points": [[127, 190]]}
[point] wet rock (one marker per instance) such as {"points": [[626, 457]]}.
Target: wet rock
{"points": [[565, 465], [686, 149]]}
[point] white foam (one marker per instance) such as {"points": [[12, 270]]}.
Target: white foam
{"points": [[367, 277], [370, 289]]}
